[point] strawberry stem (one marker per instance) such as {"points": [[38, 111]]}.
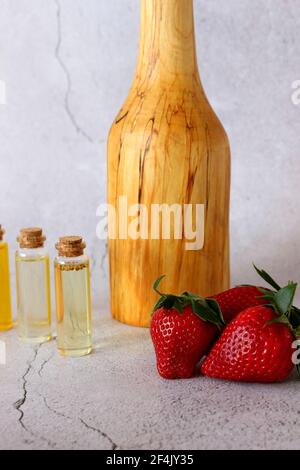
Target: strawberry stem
{"points": [[292, 313], [266, 277], [206, 309], [282, 303]]}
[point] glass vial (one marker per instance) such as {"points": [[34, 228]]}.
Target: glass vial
{"points": [[6, 321], [33, 287], [73, 300]]}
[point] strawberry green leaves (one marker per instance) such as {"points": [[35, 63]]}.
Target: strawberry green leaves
{"points": [[266, 277], [281, 299], [284, 298], [156, 284], [169, 301], [281, 302], [206, 309]]}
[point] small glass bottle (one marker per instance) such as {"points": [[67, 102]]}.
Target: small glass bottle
{"points": [[73, 299], [6, 321], [33, 287]]}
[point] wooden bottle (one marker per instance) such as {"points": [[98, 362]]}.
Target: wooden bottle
{"points": [[167, 146]]}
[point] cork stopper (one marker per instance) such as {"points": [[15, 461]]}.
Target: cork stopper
{"points": [[70, 247], [2, 232], [31, 238]]}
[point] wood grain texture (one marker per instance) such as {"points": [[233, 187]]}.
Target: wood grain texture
{"points": [[167, 146]]}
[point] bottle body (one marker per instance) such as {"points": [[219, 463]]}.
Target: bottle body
{"points": [[167, 147], [33, 295], [73, 305], [6, 321]]}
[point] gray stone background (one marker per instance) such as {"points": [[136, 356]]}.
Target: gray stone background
{"points": [[68, 65]]}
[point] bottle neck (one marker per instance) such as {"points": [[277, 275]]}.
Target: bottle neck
{"points": [[71, 261], [167, 40], [32, 253]]}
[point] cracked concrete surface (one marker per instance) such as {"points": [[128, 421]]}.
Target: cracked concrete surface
{"points": [[66, 71], [102, 434], [19, 404], [114, 399]]}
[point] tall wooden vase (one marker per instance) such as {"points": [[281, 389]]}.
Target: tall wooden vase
{"points": [[167, 146]]}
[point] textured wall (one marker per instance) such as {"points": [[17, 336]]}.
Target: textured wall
{"points": [[68, 65]]}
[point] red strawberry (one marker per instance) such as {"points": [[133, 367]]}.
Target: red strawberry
{"points": [[257, 345], [182, 328], [180, 340], [234, 301]]}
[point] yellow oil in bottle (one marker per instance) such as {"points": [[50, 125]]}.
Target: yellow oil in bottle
{"points": [[6, 321], [33, 287], [33, 296], [73, 307]]}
